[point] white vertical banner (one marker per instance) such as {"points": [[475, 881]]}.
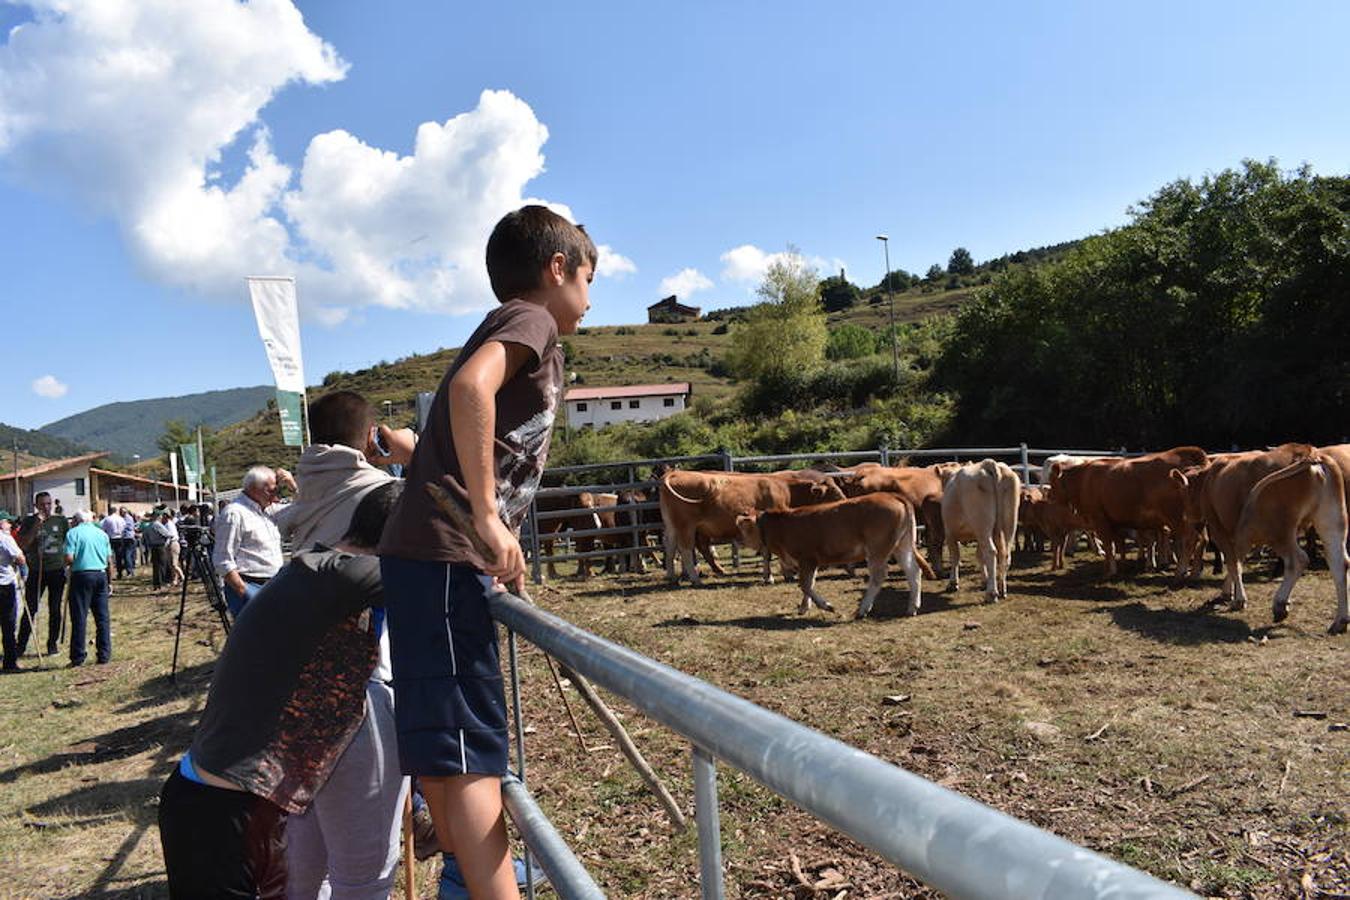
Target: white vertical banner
{"points": [[173, 470], [274, 306]]}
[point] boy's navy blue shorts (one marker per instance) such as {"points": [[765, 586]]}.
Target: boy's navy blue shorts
{"points": [[448, 700]]}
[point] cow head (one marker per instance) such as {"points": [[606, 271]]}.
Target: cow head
{"points": [[849, 483], [1189, 483], [946, 470], [826, 490], [747, 528]]}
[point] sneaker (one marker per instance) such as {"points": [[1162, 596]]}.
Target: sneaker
{"points": [[452, 886]]}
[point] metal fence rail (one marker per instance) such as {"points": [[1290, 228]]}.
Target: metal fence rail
{"points": [[955, 844]]}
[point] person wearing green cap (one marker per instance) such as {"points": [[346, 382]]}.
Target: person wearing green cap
{"points": [[42, 536], [11, 558]]}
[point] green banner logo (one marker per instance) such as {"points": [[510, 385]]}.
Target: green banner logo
{"points": [[292, 427], [192, 472]]}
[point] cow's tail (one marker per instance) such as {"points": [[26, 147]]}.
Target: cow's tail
{"points": [[667, 487], [923, 564], [908, 537], [1007, 499], [1252, 505]]}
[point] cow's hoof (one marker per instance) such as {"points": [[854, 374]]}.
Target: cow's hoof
{"points": [[859, 616], [912, 611], [1339, 626], [1280, 612], [1233, 605]]}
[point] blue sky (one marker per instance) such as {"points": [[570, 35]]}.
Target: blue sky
{"points": [[152, 156]]}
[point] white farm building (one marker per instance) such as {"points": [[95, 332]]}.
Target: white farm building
{"points": [[596, 407]]}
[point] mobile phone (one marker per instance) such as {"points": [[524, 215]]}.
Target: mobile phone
{"points": [[378, 441]]}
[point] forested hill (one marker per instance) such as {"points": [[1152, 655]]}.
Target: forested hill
{"points": [[132, 427], [33, 445]]}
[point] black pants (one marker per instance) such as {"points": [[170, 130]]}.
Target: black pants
{"points": [[220, 843], [157, 557], [9, 614], [119, 555], [53, 581], [89, 593]]}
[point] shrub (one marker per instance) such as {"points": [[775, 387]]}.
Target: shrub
{"points": [[721, 328], [850, 342]]}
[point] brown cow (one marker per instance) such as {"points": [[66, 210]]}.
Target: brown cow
{"points": [[1212, 498], [979, 503], [705, 504], [872, 528], [1310, 490], [1116, 494], [920, 487], [1055, 520]]}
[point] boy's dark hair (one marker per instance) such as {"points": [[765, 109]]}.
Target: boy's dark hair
{"points": [[341, 417], [522, 244], [367, 524]]}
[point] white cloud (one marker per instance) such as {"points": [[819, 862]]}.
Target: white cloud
{"points": [[131, 107], [747, 263], [685, 282], [612, 264], [49, 386]]}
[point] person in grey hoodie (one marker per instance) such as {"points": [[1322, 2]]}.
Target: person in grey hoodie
{"points": [[346, 844]]}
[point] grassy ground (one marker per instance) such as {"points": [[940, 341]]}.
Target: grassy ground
{"points": [[1123, 715]]}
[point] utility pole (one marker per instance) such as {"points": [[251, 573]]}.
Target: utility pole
{"points": [[890, 295], [18, 506]]}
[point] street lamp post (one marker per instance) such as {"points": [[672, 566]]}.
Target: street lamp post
{"points": [[890, 295]]}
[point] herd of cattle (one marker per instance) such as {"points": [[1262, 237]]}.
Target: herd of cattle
{"points": [[1171, 504]]}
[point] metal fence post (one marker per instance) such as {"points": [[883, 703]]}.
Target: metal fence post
{"points": [[708, 818], [1026, 467], [729, 465], [884, 453], [535, 571], [520, 742]]}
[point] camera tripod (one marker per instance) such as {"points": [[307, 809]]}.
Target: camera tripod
{"points": [[199, 563]]}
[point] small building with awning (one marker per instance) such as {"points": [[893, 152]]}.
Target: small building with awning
{"points": [[77, 483]]}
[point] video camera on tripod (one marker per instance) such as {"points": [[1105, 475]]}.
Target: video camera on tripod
{"points": [[197, 542]]}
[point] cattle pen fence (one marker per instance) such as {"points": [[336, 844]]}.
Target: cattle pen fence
{"points": [[552, 506], [949, 841]]}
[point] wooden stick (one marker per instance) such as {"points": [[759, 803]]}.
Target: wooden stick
{"points": [[630, 750], [409, 858], [567, 704]]}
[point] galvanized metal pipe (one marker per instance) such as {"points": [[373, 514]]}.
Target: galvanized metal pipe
{"points": [[955, 844], [565, 872], [707, 817], [520, 740]]}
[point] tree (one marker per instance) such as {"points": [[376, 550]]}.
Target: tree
{"points": [[935, 272], [897, 280], [961, 262], [178, 432], [838, 294], [786, 331]]}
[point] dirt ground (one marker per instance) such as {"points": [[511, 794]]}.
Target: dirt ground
{"points": [[1202, 745]]}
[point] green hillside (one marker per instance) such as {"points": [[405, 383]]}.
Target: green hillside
{"points": [[128, 428], [34, 446], [602, 355]]}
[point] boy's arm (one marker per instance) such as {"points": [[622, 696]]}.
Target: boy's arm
{"points": [[473, 421]]}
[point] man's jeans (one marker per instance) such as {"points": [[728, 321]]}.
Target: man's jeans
{"points": [[89, 592], [237, 602]]}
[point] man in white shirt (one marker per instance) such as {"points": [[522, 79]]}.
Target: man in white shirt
{"points": [[112, 525], [11, 557], [248, 543]]}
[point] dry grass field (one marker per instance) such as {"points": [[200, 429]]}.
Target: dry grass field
{"points": [[1199, 744]]}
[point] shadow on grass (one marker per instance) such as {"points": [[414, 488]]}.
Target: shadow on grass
{"points": [[1170, 626], [151, 890], [172, 733], [93, 802], [163, 688], [1065, 586]]}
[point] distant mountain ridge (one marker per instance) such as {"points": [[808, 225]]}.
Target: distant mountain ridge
{"points": [[132, 427], [33, 444]]}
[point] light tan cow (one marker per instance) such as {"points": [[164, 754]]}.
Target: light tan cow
{"points": [[872, 527], [1309, 491], [979, 504], [704, 505]]}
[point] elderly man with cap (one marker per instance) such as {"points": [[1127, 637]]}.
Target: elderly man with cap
{"points": [[89, 555], [11, 560], [247, 552]]}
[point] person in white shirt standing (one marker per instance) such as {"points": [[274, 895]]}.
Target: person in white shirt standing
{"points": [[11, 558], [248, 543], [112, 525]]}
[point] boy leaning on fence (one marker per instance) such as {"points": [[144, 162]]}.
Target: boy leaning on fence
{"points": [[485, 444]]}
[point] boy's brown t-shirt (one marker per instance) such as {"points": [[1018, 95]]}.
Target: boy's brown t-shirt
{"points": [[526, 405]]}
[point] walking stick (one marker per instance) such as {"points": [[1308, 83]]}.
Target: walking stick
{"points": [[409, 858]]}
